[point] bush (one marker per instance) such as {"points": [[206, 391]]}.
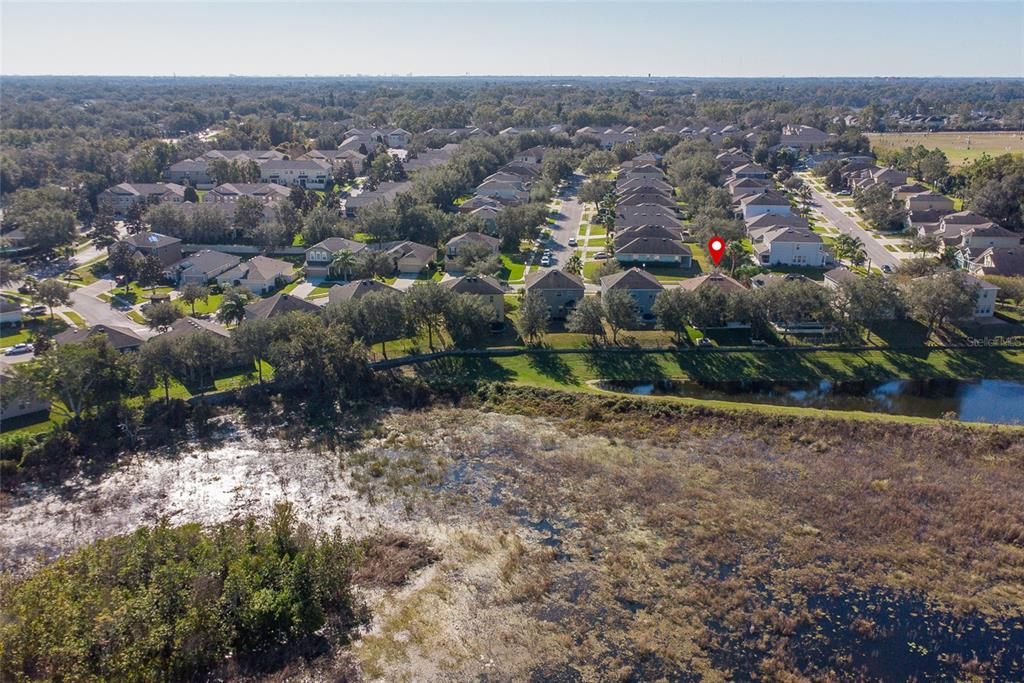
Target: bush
{"points": [[178, 603]]}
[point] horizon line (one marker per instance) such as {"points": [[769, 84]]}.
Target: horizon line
{"points": [[535, 76]]}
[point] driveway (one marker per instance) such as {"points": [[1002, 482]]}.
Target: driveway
{"points": [[879, 255], [85, 302]]}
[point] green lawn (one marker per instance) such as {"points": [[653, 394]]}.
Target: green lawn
{"points": [[137, 317], [78, 320], [513, 266], [9, 336], [700, 257], [210, 305], [319, 292], [597, 230], [597, 241], [137, 294], [573, 370]]}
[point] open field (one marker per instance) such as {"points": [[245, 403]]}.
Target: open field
{"points": [[597, 538], [960, 148]]}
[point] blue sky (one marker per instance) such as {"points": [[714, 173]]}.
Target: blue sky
{"points": [[680, 38]]}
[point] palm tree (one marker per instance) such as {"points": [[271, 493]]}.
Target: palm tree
{"points": [[574, 265], [232, 306], [342, 263], [737, 255], [850, 247]]}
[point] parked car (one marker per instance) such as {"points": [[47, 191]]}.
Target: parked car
{"points": [[37, 310], [758, 342], [887, 268], [843, 193], [704, 341], [545, 261], [600, 256], [19, 349], [572, 242]]}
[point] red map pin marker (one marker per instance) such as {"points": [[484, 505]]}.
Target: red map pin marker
{"points": [[716, 247]]}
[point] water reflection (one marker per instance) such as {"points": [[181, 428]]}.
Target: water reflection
{"points": [[984, 400]]}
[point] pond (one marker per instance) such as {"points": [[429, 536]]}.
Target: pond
{"points": [[984, 400]]}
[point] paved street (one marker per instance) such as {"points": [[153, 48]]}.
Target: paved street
{"points": [[879, 255], [85, 302]]}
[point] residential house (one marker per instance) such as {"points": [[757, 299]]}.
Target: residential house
{"points": [[385, 192], [516, 171], [720, 281], [651, 198], [277, 305], [429, 158], [724, 284], [409, 257], [259, 275], [559, 289], [798, 136], [625, 235], [478, 202], [839, 276], [901, 192], [355, 290], [194, 172], [166, 249], [1008, 262], [268, 193], [14, 404], [643, 287], [487, 288], [977, 238], [882, 176], [929, 201], [120, 198], [985, 300], [489, 216], [785, 246], [320, 256], [770, 220], [653, 251], [534, 155], [510, 190], [751, 170], [492, 244], [767, 202], [644, 172], [732, 158], [629, 186], [242, 155], [10, 312], [201, 267], [647, 217], [121, 338], [746, 187], [399, 138], [316, 174]]}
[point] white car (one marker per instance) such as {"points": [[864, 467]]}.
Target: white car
{"points": [[600, 256], [572, 242], [545, 261], [19, 349]]}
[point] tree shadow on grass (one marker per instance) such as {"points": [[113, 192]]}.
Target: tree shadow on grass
{"points": [[624, 366], [462, 370], [899, 333], [984, 364], [553, 366]]}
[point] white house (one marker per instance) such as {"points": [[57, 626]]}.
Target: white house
{"points": [[985, 301], [786, 246], [312, 173], [766, 202]]}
